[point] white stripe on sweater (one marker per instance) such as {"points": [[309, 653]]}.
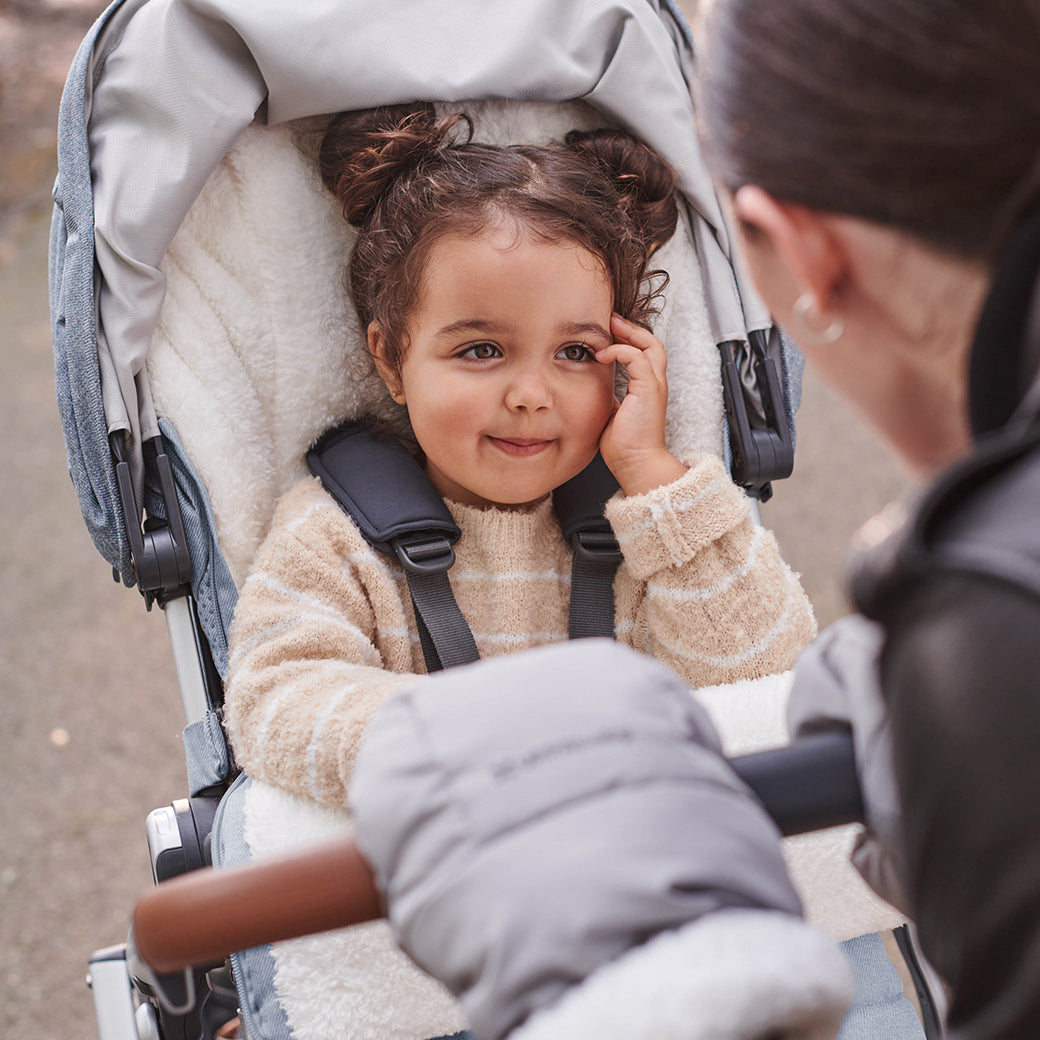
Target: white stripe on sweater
{"points": [[315, 507], [312, 607], [745, 655], [706, 592], [312, 748], [288, 623], [366, 555], [657, 510], [273, 705], [509, 639], [498, 576], [370, 557]]}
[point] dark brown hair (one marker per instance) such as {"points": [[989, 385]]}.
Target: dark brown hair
{"points": [[922, 115], [405, 179]]}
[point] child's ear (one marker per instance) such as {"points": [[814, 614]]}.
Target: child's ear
{"points": [[377, 348]]}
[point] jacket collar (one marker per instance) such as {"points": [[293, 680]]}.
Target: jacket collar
{"points": [[1005, 354]]}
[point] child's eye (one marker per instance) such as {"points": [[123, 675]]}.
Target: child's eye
{"points": [[576, 352], [481, 352]]}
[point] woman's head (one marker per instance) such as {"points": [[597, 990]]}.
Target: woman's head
{"points": [[406, 179], [920, 116], [878, 154]]}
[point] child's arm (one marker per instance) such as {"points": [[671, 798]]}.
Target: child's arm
{"points": [[320, 638], [704, 589]]}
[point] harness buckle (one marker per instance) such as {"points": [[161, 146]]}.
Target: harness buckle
{"points": [[424, 554], [596, 546]]}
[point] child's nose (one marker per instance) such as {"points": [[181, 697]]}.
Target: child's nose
{"points": [[529, 389]]}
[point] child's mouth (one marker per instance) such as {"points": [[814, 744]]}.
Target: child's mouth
{"points": [[519, 447]]}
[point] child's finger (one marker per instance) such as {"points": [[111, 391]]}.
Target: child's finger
{"points": [[631, 332], [639, 364], [638, 337]]}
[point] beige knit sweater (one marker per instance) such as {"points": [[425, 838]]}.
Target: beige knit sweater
{"points": [[324, 629]]}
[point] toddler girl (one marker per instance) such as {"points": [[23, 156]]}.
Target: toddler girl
{"points": [[500, 288]]}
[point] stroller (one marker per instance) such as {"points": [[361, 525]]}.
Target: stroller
{"points": [[198, 324]]}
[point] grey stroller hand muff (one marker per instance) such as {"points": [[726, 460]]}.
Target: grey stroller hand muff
{"points": [[199, 326]]}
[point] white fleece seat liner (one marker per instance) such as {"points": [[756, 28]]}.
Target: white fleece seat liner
{"points": [[256, 353]]}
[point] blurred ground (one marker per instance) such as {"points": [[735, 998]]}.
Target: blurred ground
{"points": [[89, 710], [37, 41]]}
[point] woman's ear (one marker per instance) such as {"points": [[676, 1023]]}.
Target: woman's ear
{"points": [[377, 348], [805, 242]]}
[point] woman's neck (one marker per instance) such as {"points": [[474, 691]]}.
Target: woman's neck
{"points": [[925, 306]]}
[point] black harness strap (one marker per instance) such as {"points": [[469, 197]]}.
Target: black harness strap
{"points": [[384, 490], [399, 512], [579, 508], [445, 636]]}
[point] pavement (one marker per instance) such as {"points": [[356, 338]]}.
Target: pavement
{"points": [[89, 710]]}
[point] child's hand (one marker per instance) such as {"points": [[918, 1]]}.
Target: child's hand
{"points": [[633, 444]]}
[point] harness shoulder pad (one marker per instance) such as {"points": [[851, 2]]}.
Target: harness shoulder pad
{"points": [[381, 487], [579, 506]]}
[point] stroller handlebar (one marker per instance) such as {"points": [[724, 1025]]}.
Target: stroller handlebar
{"points": [[807, 786], [198, 918]]}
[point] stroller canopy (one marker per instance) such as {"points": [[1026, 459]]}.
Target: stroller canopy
{"points": [[161, 89]]}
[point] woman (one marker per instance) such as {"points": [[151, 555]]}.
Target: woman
{"points": [[883, 161]]}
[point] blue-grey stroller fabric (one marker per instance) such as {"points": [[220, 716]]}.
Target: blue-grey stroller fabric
{"points": [[529, 820], [73, 319], [161, 89]]}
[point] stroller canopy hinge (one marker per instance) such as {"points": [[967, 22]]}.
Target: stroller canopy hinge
{"points": [[158, 546], [759, 430]]}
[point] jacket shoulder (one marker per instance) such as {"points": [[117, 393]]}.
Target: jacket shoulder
{"points": [[979, 519]]}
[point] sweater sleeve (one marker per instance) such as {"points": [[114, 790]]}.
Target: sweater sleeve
{"points": [[704, 589], [319, 639]]}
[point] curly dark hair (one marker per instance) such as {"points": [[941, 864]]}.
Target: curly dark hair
{"points": [[405, 179]]}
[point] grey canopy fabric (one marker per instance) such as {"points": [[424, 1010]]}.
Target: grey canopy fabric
{"points": [[161, 89]]}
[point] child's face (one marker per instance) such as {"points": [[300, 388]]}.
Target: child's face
{"points": [[503, 391]]}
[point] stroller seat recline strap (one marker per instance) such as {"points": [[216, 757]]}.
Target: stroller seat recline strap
{"points": [[399, 512]]}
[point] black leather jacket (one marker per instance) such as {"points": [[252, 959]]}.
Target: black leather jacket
{"points": [[958, 593]]}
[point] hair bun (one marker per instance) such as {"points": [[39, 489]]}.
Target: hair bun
{"points": [[644, 181], [364, 153]]}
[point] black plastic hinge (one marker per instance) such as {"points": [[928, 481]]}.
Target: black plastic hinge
{"points": [[759, 426], [158, 545]]}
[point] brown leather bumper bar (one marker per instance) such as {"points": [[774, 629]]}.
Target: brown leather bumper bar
{"points": [[199, 918]]}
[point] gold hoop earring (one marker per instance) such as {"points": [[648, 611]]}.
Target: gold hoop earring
{"points": [[807, 320]]}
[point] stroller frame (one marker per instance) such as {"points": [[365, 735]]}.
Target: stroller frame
{"points": [[131, 472]]}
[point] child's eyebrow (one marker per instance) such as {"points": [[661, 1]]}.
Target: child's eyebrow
{"points": [[470, 325], [576, 328], [489, 327]]}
